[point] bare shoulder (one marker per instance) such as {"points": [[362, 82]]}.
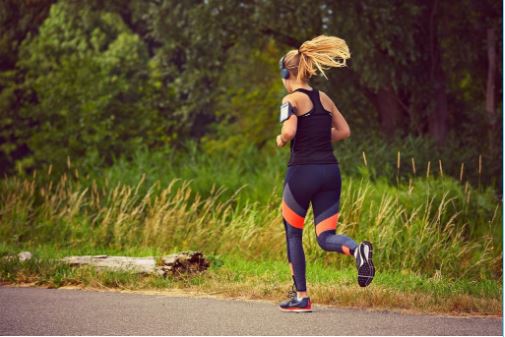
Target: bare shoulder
{"points": [[291, 98], [288, 98], [326, 101]]}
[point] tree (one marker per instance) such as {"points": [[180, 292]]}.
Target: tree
{"points": [[86, 72], [17, 19]]}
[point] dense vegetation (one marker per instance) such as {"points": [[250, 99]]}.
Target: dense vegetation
{"points": [[187, 201], [97, 80]]}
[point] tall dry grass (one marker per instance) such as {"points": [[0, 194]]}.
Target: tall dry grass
{"points": [[431, 226]]}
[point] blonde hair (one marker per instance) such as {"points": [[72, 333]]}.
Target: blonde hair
{"points": [[320, 53]]}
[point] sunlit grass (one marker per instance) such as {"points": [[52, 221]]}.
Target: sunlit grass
{"points": [[234, 276], [437, 240], [429, 226]]}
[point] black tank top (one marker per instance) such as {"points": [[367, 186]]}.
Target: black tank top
{"points": [[312, 142]]}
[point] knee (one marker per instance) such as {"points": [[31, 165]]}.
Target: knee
{"points": [[321, 240], [293, 233]]}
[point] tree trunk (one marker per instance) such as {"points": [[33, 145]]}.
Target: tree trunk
{"points": [[389, 110], [491, 76], [438, 111], [175, 264], [438, 118]]}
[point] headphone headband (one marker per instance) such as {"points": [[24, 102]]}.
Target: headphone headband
{"points": [[284, 70]]}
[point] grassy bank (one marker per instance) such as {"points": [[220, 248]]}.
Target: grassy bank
{"points": [[234, 276], [438, 225], [437, 240]]}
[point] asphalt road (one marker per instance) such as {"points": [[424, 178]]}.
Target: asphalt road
{"points": [[37, 311]]}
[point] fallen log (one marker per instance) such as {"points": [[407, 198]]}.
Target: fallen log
{"points": [[135, 264], [184, 263], [177, 264]]}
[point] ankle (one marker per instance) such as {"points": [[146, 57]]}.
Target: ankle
{"points": [[301, 294]]}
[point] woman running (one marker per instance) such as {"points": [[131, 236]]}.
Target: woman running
{"points": [[311, 121]]}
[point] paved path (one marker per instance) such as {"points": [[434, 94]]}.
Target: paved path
{"points": [[37, 311]]}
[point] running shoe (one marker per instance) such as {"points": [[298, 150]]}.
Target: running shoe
{"points": [[296, 305], [364, 264]]}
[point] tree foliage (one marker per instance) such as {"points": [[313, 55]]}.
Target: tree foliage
{"points": [[93, 79], [90, 88]]}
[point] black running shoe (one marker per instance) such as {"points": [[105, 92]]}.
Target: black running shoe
{"points": [[295, 305], [364, 264]]}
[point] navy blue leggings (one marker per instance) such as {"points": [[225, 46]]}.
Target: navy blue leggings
{"points": [[318, 184]]}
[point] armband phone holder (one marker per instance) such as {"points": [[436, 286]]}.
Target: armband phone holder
{"points": [[286, 111]]}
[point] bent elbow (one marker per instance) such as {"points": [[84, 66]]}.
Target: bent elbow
{"points": [[288, 134], [347, 133]]}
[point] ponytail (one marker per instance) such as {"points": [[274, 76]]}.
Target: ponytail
{"points": [[320, 53]]}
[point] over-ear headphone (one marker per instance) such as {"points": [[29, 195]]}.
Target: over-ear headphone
{"points": [[284, 70]]}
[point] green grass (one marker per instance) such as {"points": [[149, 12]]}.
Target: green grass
{"points": [[439, 225], [449, 232], [234, 276]]}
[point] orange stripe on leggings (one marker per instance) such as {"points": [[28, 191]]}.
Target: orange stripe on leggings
{"points": [[291, 217], [327, 224], [346, 250]]}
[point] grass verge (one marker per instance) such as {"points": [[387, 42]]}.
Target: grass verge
{"points": [[233, 276]]}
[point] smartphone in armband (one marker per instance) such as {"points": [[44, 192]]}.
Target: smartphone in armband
{"points": [[286, 111]]}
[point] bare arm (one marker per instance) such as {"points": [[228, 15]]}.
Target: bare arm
{"points": [[340, 129], [289, 126]]}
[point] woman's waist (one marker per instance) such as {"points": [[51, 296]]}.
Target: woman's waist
{"points": [[312, 157]]}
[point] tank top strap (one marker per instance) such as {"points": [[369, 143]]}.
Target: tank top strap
{"points": [[314, 98]]}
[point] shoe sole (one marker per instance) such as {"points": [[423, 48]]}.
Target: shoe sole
{"points": [[367, 271], [297, 310]]}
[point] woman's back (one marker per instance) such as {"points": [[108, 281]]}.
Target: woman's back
{"points": [[312, 142]]}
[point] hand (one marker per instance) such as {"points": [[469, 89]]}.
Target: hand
{"points": [[279, 141]]}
